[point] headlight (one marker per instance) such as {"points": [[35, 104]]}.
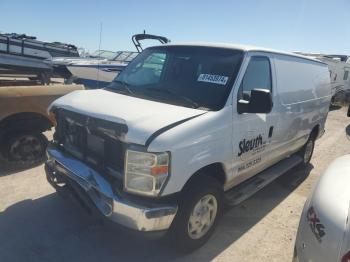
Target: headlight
{"points": [[145, 173]]}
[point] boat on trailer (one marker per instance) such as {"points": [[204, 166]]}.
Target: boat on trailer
{"points": [[98, 73], [22, 55], [60, 63]]}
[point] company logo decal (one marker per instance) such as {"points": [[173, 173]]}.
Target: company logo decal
{"points": [[314, 222], [249, 150], [251, 145]]}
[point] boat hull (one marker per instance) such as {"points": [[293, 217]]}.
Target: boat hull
{"points": [[15, 64], [95, 76]]}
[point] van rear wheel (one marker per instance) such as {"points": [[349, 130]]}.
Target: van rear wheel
{"points": [[307, 150], [198, 213]]}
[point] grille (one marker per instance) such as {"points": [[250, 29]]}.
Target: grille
{"points": [[94, 141]]}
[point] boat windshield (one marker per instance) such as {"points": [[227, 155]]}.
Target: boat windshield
{"points": [[190, 76], [104, 54], [125, 56], [107, 54]]}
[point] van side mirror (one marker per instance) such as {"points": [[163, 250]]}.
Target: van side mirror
{"points": [[349, 111], [260, 102]]}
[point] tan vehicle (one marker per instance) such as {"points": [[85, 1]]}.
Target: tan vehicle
{"points": [[23, 119]]}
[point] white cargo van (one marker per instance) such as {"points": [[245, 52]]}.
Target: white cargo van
{"points": [[183, 130]]}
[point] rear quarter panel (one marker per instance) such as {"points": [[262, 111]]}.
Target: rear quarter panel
{"points": [[304, 94]]}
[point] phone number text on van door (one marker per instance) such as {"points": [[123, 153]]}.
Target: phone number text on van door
{"points": [[249, 164]]}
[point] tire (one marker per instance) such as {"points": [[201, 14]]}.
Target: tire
{"points": [[205, 195], [307, 150], [44, 78], [24, 148]]}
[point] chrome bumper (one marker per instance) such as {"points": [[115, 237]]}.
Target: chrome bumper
{"points": [[112, 206]]}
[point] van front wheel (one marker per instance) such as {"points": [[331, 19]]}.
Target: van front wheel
{"points": [[197, 215]]}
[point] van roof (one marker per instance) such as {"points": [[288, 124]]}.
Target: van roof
{"points": [[245, 48]]}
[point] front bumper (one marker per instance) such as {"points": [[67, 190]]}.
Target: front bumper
{"points": [[61, 166]]}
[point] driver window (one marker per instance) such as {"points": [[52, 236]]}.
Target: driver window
{"points": [[257, 76]]}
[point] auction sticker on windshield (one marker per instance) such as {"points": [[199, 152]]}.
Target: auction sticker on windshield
{"points": [[215, 79]]}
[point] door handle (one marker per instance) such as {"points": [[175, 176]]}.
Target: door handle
{"points": [[270, 131]]}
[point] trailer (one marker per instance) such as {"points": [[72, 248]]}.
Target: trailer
{"points": [[22, 55]]}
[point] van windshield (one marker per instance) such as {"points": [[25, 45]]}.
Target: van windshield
{"points": [[190, 76]]}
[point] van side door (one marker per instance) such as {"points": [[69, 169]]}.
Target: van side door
{"points": [[253, 133]]}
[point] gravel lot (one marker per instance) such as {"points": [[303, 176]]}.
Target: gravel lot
{"points": [[36, 224]]}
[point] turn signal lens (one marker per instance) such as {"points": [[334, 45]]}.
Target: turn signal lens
{"points": [[159, 170]]}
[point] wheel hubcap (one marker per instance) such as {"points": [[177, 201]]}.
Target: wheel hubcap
{"points": [[202, 216], [26, 148], [308, 151]]}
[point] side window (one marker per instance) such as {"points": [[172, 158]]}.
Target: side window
{"points": [[257, 76], [346, 74]]}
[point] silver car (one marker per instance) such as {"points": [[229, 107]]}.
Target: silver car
{"points": [[324, 229]]}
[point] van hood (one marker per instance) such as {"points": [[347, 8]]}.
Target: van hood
{"points": [[143, 117]]}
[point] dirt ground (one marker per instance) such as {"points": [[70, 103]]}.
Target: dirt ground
{"points": [[36, 224]]}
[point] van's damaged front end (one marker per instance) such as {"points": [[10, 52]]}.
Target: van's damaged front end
{"points": [[100, 152], [90, 186], [105, 161]]}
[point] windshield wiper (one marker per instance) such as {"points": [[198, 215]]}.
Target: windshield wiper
{"points": [[124, 85], [167, 91]]}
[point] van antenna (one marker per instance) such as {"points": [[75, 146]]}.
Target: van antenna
{"points": [[99, 51]]}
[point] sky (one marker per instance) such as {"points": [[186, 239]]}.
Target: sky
{"points": [[289, 25]]}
